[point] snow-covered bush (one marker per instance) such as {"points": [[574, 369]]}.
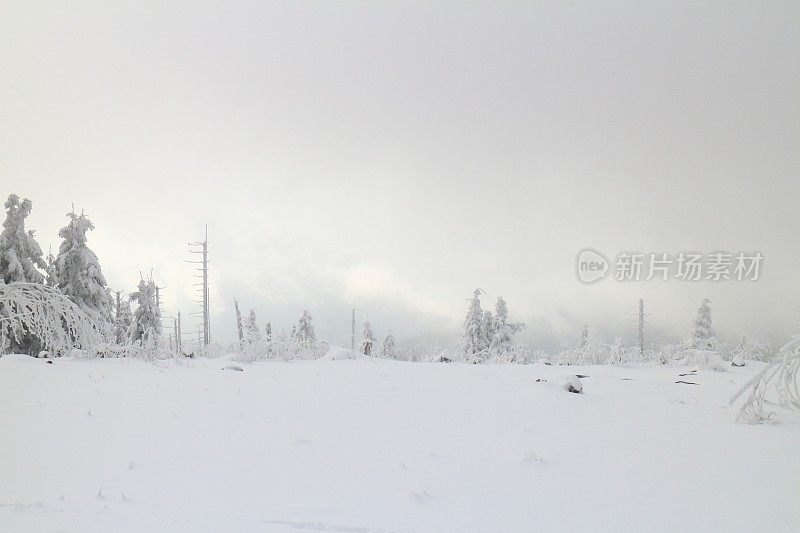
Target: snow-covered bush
{"points": [[36, 318], [617, 352], [782, 376]]}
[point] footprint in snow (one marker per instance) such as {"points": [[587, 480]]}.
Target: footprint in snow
{"points": [[531, 458], [422, 497], [303, 442]]}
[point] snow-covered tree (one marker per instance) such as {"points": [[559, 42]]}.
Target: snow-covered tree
{"points": [[476, 338], [51, 277], [489, 322], [239, 323], [123, 317], [367, 339], [78, 272], [36, 318], [20, 254], [251, 332], [702, 337], [146, 325], [741, 353], [502, 342], [617, 352], [304, 331], [781, 375], [585, 343], [387, 349], [268, 332]]}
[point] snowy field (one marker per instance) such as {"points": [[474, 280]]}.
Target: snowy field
{"points": [[383, 446]]}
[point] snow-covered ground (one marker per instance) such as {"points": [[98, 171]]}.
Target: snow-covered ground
{"points": [[381, 446]]}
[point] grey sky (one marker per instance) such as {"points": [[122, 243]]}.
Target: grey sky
{"points": [[394, 156]]}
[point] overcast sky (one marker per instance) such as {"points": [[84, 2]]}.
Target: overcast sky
{"points": [[395, 156]]}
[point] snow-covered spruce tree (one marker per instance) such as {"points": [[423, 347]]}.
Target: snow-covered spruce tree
{"points": [[146, 324], [51, 278], [78, 272], [489, 322], [387, 349], [251, 332], [476, 339], [123, 317], [702, 337], [584, 344], [617, 352], [268, 338], [304, 331], [20, 254], [502, 339], [36, 318], [367, 339], [239, 326]]}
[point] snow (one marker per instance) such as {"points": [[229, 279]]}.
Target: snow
{"points": [[376, 445], [574, 384], [337, 353]]}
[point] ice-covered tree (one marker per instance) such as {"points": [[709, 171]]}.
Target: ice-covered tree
{"points": [[476, 338], [239, 323], [741, 353], [304, 331], [490, 323], [78, 272], [585, 342], [51, 277], [367, 339], [36, 318], [20, 254], [702, 337], [146, 324], [251, 332], [387, 349], [502, 342], [123, 317], [617, 352]]}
